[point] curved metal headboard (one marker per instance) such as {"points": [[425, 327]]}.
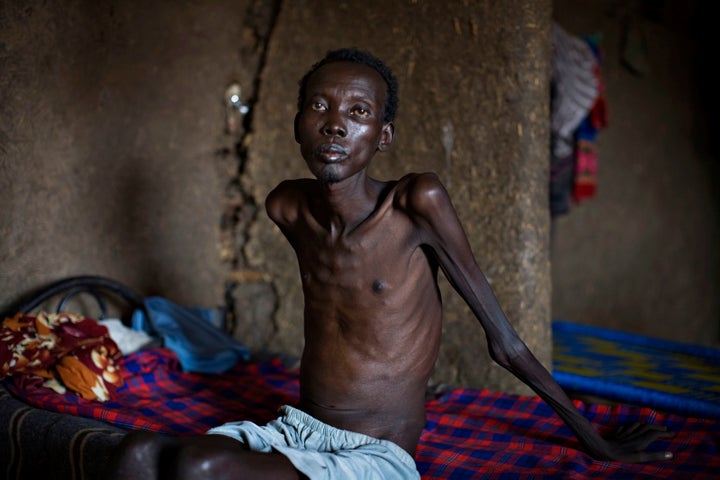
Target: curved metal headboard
{"points": [[91, 284]]}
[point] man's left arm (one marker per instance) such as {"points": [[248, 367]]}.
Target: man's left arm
{"points": [[431, 207]]}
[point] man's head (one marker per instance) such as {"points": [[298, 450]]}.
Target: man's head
{"points": [[341, 122], [363, 58]]}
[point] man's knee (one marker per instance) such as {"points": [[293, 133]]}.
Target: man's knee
{"points": [[199, 461], [137, 453], [213, 462]]}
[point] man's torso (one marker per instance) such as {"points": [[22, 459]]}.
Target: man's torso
{"points": [[372, 321]]}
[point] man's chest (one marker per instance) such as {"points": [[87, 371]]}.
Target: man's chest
{"points": [[375, 262]]}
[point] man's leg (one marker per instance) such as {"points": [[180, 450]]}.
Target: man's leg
{"points": [[213, 457]]}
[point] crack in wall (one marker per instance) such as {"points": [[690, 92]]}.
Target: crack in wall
{"points": [[242, 284]]}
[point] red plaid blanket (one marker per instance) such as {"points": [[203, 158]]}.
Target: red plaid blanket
{"points": [[470, 433]]}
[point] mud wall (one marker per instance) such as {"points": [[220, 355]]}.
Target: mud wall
{"points": [[116, 160], [113, 155], [642, 255]]}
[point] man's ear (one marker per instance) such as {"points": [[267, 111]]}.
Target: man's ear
{"points": [[386, 136], [295, 127]]}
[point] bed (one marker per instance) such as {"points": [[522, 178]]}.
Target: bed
{"points": [[470, 433]]}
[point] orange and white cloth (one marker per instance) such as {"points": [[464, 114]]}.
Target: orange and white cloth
{"points": [[67, 350]]}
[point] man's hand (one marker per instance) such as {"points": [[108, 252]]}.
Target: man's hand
{"points": [[628, 444]]}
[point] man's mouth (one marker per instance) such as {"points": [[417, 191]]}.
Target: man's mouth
{"points": [[331, 152]]}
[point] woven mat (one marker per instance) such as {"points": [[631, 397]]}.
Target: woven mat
{"points": [[665, 375]]}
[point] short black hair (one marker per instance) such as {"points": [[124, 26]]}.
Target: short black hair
{"points": [[364, 58]]}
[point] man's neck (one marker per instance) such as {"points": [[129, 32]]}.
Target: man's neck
{"points": [[348, 203]]}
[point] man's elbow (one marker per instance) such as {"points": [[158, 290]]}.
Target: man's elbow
{"points": [[510, 354]]}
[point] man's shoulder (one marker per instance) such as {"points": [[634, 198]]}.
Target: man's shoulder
{"points": [[291, 189], [285, 199], [419, 181], [295, 185], [416, 192]]}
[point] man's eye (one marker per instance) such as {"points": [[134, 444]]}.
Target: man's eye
{"points": [[318, 107], [361, 112]]}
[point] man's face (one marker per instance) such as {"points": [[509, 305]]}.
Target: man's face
{"points": [[340, 126]]}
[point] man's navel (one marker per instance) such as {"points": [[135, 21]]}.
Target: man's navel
{"points": [[378, 286]]}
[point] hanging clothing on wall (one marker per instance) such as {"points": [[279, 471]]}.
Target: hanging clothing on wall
{"points": [[584, 183], [578, 110]]}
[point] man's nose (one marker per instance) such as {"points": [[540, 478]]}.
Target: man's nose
{"points": [[334, 127]]}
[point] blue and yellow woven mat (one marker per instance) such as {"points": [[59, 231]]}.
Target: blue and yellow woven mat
{"points": [[623, 367]]}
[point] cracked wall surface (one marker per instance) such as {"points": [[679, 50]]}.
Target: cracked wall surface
{"points": [[115, 159]]}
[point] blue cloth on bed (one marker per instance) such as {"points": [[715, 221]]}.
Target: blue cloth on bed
{"points": [[630, 368], [191, 333]]}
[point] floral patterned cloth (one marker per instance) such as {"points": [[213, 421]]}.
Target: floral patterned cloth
{"points": [[61, 351]]}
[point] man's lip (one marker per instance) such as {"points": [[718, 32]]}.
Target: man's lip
{"points": [[331, 152]]}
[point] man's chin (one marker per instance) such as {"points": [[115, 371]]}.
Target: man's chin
{"points": [[328, 178]]}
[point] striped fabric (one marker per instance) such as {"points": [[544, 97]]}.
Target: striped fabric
{"points": [[470, 433]]}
